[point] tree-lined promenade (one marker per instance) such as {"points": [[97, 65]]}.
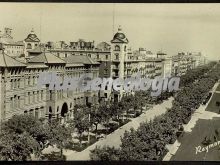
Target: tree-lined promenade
{"points": [[24, 136], [149, 140]]}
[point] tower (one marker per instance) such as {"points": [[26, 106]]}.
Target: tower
{"points": [[118, 54], [31, 42]]}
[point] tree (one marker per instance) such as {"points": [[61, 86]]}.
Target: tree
{"points": [[96, 119], [149, 140], [17, 147], [59, 134], [106, 115], [27, 123], [21, 136], [81, 120], [105, 153], [28, 134]]}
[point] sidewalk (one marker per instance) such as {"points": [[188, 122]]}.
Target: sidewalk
{"points": [[114, 139], [200, 113]]}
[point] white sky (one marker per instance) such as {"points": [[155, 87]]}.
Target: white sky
{"points": [[170, 27]]}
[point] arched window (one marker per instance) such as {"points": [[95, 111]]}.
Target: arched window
{"points": [[50, 113], [50, 109], [117, 48], [29, 46]]}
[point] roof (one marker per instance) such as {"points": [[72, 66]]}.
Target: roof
{"points": [[47, 58], [78, 59], [7, 61], [33, 65], [103, 46], [11, 42], [74, 65], [32, 37]]}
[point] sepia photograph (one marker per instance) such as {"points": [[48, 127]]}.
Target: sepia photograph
{"points": [[109, 82]]}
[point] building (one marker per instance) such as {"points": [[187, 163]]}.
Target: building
{"points": [[167, 70], [31, 42], [18, 86], [198, 58], [116, 59], [11, 47], [183, 62]]}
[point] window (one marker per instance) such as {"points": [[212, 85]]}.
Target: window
{"points": [[117, 48], [41, 97], [29, 97], [106, 57], [97, 56], [15, 84], [18, 85], [19, 102], [15, 101], [36, 114], [125, 48], [11, 101], [33, 80], [117, 56], [50, 94], [89, 55], [65, 55], [33, 96], [11, 82], [29, 80], [37, 95], [29, 46], [50, 113], [105, 71]]}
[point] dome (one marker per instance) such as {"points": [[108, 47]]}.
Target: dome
{"points": [[32, 37], [120, 36]]}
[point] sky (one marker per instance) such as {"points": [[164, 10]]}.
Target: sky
{"points": [[171, 28]]}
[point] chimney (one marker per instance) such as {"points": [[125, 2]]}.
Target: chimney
{"points": [[8, 31]]}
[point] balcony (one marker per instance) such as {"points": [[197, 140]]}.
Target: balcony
{"points": [[115, 75], [115, 67], [128, 67], [98, 59], [116, 60]]}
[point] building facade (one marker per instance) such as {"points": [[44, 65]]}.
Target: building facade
{"points": [[183, 62], [19, 92], [11, 47]]}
